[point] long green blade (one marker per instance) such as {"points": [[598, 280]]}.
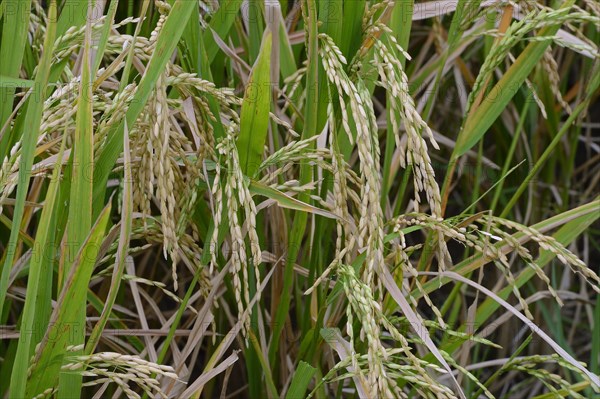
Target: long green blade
{"points": [[254, 120], [14, 38], [478, 122], [30, 134], [65, 324], [38, 275]]}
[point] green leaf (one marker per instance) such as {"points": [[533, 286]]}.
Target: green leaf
{"points": [[221, 23], [299, 222], [14, 37], [285, 201], [122, 248], [7, 82], [40, 273], [582, 107], [33, 118], [302, 377], [80, 201], [479, 121], [65, 323], [110, 17], [271, 389], [79, 219], [254, 119]]}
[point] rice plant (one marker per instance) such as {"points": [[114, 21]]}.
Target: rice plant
{"points": [[299, 199]]}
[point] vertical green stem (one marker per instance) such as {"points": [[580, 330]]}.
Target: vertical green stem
{"points": [[300, 218]]}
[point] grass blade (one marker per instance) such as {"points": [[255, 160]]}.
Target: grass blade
{"points": [[79, 220], [299, 223], [302, 377], [38, 274], [285, 201], [30, 133], [14, 31], [8, 82], [478, 122], [593, 85], [220, 23], [65, 322], [122, 249], [254, 119]]}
